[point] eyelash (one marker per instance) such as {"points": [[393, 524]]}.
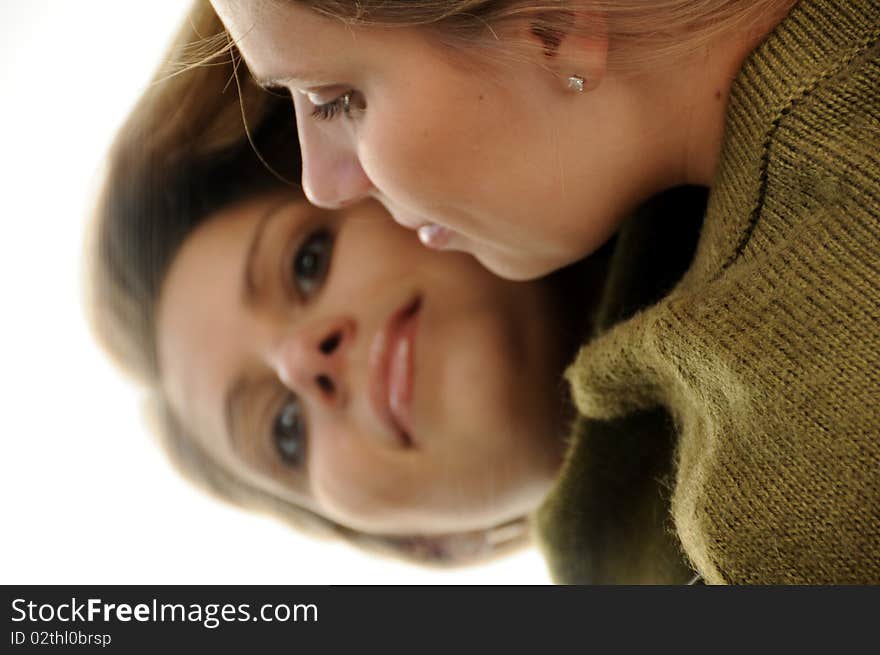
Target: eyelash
{"points": [[321, 240], [291, 452], [330, 110]]}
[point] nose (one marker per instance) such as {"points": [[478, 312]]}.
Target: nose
{"points": [[312, 360], [332, 176]]}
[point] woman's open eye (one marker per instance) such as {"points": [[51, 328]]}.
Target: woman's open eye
{"points": [[311, 262], [289, 432], [348, 103]]}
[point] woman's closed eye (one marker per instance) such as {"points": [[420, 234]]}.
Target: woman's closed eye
{"points": [[289, 434], [348, 103]]}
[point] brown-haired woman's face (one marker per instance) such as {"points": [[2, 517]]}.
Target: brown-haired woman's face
{"points": [[329, 359], [505, 161]]}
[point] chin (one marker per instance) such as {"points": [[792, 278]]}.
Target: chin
{"points": [[516, 270]]}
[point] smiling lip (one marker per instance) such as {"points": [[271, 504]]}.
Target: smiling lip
{"points": [[391, 370]]}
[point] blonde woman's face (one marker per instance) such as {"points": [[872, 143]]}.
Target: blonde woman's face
{"points": [[489, 153], [329, 359]]}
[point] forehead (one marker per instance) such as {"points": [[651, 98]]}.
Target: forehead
{"points": [[197, 317], [274, 36]]}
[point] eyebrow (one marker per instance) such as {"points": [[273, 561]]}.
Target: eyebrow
{"points": [[250, 289], [271, 83], [294, 79], [231, 404]]}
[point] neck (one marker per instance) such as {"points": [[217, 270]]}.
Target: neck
{"points": [[686, 135]]}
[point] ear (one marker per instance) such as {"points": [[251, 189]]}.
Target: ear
{"points": [[572, 42]]}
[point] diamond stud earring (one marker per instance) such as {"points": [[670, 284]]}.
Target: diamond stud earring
{"points": [[576, 83]]}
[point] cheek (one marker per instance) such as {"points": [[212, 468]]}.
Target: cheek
{"points": [[375, 255], [426, 151], [403, 160], [356, 485]]}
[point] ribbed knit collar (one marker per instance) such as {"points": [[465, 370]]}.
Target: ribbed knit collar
{"points": [[813, 42]]}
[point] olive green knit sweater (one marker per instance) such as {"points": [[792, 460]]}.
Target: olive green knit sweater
{"points": [[745, 404]]}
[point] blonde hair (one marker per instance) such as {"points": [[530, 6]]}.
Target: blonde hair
{"points": [[643, 34], [199, 139]]}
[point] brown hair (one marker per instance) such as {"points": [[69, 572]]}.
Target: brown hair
{"points": [[643, 34], [199, 139]]}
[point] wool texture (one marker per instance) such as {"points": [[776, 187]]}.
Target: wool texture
{"points": [[761, 367]]}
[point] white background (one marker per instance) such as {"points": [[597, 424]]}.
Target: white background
{"points": [[86, 495]]}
